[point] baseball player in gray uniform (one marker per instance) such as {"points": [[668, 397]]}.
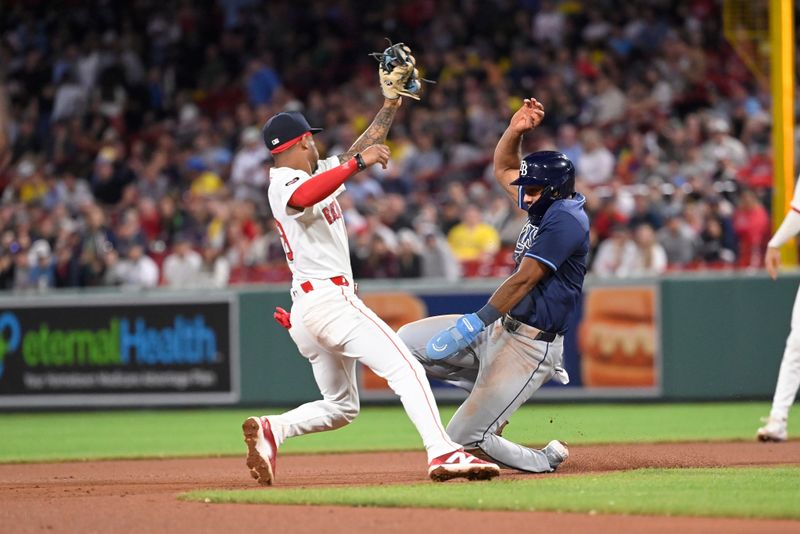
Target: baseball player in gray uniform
{"points": [[505, 351], [776, 425]]}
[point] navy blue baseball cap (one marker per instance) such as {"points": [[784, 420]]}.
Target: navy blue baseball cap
{"points": [[285, 129]]}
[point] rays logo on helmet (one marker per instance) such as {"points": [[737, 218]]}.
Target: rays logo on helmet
{"points": [[523, 168]]}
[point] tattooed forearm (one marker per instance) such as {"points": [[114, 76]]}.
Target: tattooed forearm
{"points": [[376, 133]]}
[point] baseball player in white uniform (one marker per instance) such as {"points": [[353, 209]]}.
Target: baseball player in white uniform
{"points": [[775, 428], [330, 324]]}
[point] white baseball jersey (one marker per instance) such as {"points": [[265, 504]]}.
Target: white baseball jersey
{"points": [[791, 223], [315, 239]]}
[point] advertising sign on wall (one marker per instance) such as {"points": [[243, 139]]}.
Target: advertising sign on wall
{"points": [[112, 351], [610, 349]]}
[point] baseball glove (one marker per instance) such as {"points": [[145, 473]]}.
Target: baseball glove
{"points": [[398, 73]]}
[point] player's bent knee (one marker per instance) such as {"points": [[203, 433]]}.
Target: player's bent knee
{"points": [[462, 434], [343, 411], [349, 414], [409, 334], [349, 410], [343, 417], [413, 338]]}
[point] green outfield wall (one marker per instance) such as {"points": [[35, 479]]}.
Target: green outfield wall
{"points": [[723, 338], [682, 337]]}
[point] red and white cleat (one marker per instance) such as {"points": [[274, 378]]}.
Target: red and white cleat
{"points": [[261, 449], [461, 464]]}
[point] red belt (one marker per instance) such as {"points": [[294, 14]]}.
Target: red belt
{"points": [[337, 280]]}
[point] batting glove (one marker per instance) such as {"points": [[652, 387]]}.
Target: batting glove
{"points": [[456, 338], [283, 317]]}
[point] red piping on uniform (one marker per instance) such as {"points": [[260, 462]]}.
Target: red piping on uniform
{"points": [[288, 144], [433, 414], [795, 209], [322, 185]]}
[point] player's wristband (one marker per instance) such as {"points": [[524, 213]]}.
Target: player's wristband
{"points": [[360, 162], [488, 314]]}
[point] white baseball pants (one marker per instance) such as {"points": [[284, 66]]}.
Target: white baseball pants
{"points": [[789, 374], [333, 329]]}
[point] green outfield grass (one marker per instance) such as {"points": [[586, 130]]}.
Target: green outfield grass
{"points": [[28, 437], [763, 493]]}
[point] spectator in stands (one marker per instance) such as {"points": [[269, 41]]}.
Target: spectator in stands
{"points": [[712, 248], [605, 214], [66, 269], [751, 223], [597, 162], [380, 260], [204, 181], [364, 189], [129, 232], [722, 147], [22, 270], [262, 81], [650, 259], [609, 103], [438, 260], [181, 268], [614, 253], [103, 122], [409, 259], [568, 143], [110, 176], [428, 159], [548, 24], [153, 182], [678, 240], [72, 192], [499, 213], [214, 270], [645, 210], [473, 239], [722, 210], [98, 239], [135, 270], [70, 98], [6, 269], [249, 174], [41, 273]]}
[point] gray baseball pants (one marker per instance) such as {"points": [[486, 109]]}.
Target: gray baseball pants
{"points": [[501, 370]]}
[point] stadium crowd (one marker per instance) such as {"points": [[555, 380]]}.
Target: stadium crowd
{"points": [[131, 150]]}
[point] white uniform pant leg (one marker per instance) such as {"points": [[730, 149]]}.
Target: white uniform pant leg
{"points": [[336, 378], [340, 323], [789, 374], [378, 347], [513, 368]]}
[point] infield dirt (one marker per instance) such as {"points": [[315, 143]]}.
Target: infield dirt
{"points": [[141, 495]]}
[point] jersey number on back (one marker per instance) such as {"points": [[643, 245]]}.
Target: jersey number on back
{"points": [[287, 248]]}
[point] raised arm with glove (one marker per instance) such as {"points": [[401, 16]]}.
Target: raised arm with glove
{"points": [[398, 72]]}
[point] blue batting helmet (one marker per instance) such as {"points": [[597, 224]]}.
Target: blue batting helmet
{"points": [[554, 172]]}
